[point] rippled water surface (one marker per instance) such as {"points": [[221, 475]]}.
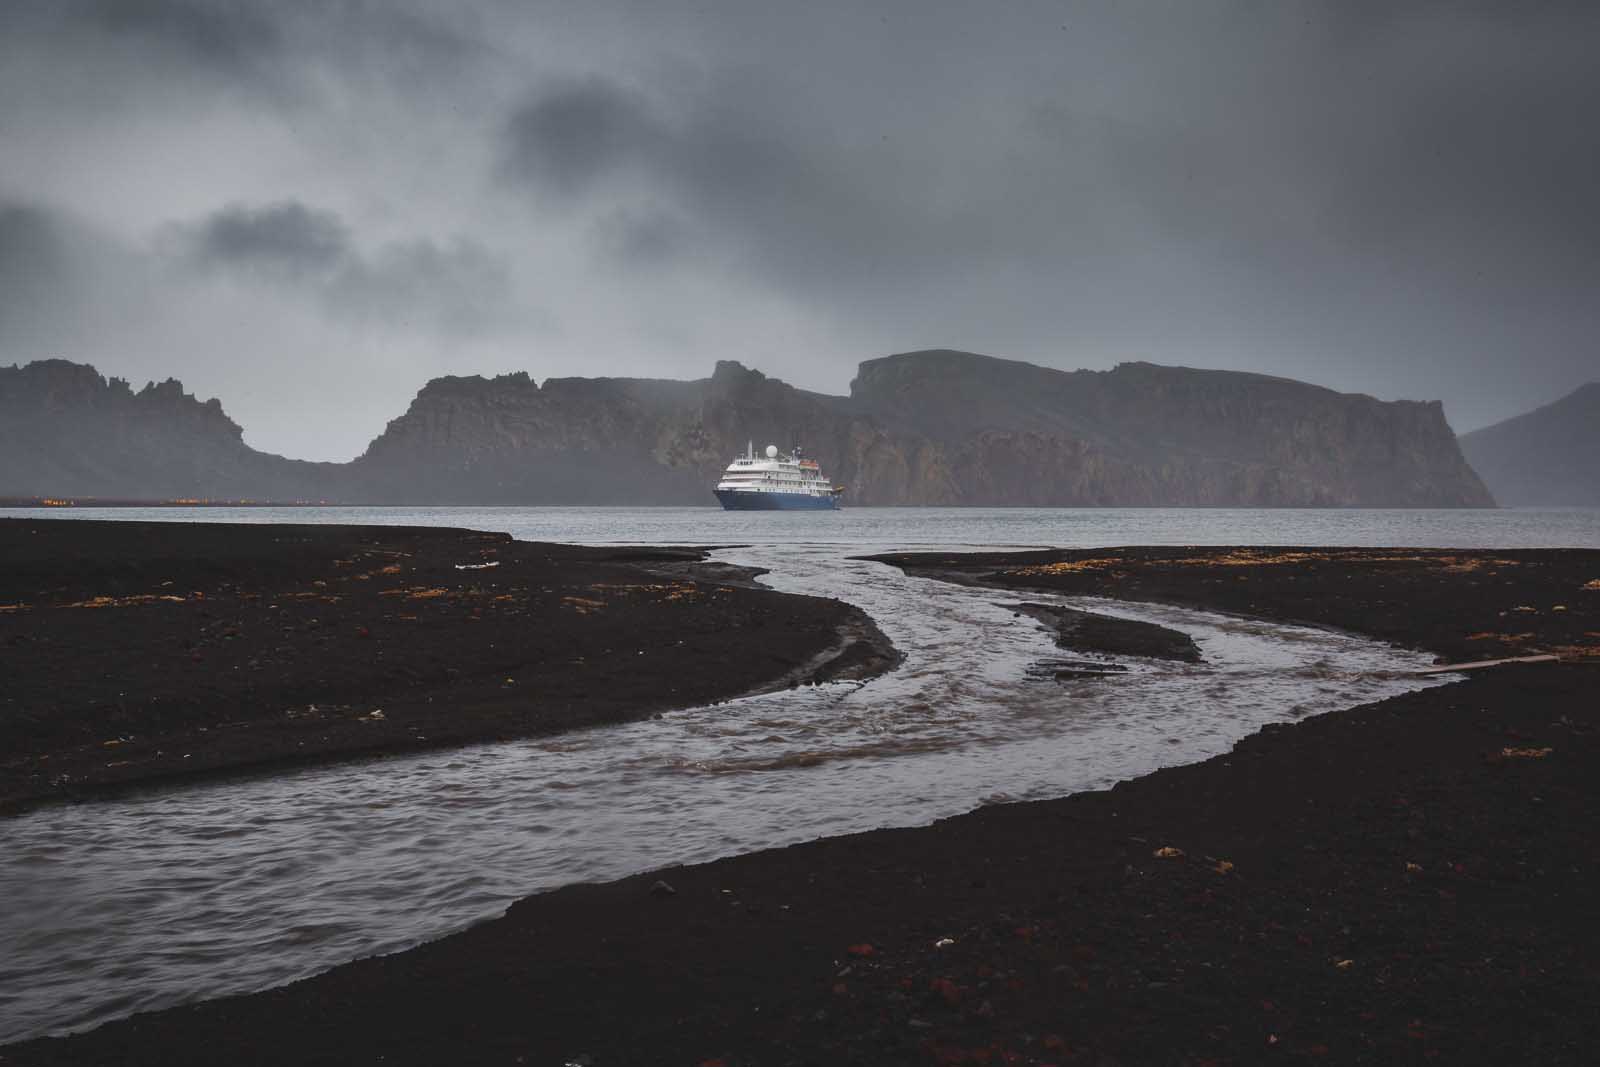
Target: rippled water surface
{"points": [[176, 894]]}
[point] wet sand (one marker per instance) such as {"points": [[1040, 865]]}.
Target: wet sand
{"points": [[141, 652], [1406, 882]]}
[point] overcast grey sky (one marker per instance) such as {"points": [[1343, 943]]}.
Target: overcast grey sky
{"points": [[309, 209]]}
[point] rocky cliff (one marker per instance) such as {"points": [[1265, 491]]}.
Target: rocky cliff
{"points": [[67, 432], [1141, 434], [932, 428], [935, 427], [1547, 456]]}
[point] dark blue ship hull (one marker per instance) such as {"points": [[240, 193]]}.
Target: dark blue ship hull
{"points": [[733, 500]]}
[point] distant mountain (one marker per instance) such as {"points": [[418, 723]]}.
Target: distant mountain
{"points": [[936, 427], [1549, 456], [66, 431]]}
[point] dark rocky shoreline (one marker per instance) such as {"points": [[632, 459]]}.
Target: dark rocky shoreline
{"points": [[1410, 881], [142, 652]]}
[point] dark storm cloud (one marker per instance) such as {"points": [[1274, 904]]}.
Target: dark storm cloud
{"points": [[720, 169], [62, 283], [35, 267], [230, 38], [572, 135], [1414, 132], [287, 241], [644, 236], [288, 53], [111, 53], [459, 286], [32, 252]]}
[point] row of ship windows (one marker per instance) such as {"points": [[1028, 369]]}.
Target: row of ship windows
{"points": [[782, 485]]}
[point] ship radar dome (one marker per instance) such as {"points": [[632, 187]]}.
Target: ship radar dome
{"points": [[772, 451]]}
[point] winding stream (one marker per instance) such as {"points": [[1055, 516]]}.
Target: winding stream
{"points": [[177, 894]]}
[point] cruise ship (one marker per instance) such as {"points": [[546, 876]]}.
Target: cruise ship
{"points": [[775, 483]]}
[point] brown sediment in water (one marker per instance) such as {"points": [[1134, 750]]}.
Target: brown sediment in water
{"points": [[1410, 881], [136, 652]]}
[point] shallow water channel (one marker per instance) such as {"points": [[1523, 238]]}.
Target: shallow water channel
{"points": [[183, 893]]}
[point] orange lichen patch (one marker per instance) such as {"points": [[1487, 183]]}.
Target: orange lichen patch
{"points": [[1526, 753], [123, 601], [1247, 558], [1263, 558], [1068, 567], [1595, 585], [426, 594], [391, 568], [1459, 565], [673, 590], [582, 605], [14, 607], [1578, 651], [1485, 635]]}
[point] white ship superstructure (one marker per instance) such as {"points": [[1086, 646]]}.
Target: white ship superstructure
{"points": [[774, 482]]}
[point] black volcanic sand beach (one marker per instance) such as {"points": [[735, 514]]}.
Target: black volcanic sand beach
{"points": [[139, 651], [1408, 882]]}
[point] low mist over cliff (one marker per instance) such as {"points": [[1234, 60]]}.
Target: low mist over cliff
{"points": [[1547, 456], [926, 428]]}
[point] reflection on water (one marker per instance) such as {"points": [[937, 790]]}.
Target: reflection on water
{"points": [[157, 898]]}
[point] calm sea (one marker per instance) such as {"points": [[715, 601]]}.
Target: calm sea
{"points": [[908, 527]]}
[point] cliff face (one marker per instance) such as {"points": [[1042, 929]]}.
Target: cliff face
{"points": [[921, 428], [506, 440], [65, 431], [1142, 434], [929, 428], [1547, 456]]}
